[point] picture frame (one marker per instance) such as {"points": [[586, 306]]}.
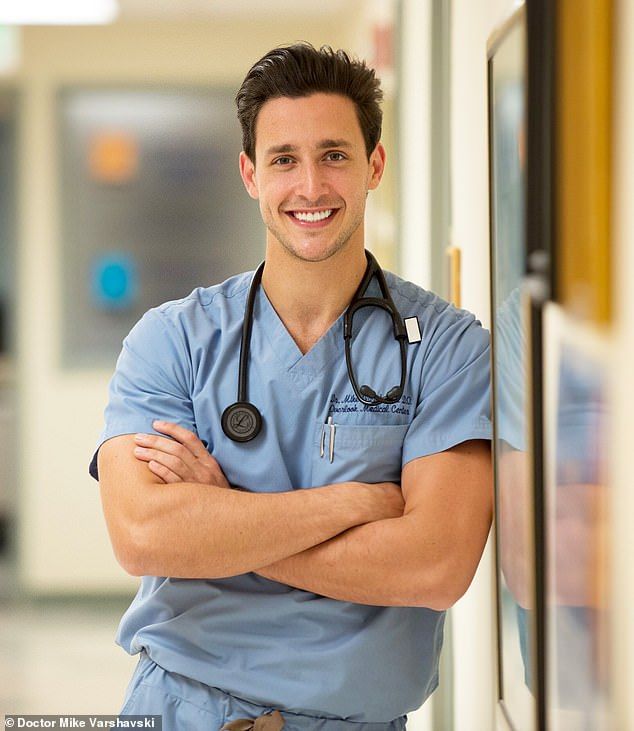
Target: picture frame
{"points": [[516, 370]]}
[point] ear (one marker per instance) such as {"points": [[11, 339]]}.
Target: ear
{"points": [[247, 173], [376, 166]]}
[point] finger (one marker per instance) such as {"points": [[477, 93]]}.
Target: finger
{"points": [[208, 467], [164, 444], [163, 472], [209, 476], [219, 476], [182, 435], [171, 462], [181, 471], [169, 446]]}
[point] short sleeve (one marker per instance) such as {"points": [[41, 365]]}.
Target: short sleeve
{"points": [[152, 380], [454, 399]]}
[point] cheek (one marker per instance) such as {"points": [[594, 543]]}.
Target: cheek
{"points": [[268, 207], [354, 188], [264, 209], [356, 197], [271, 194]]}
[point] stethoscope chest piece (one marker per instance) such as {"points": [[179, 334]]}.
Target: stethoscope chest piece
{"points": [[241, 421]]}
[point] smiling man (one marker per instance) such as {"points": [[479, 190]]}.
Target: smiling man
{"points": [[298, 546]]}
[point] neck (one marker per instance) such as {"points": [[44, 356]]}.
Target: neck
{"points": [[310, 296]]}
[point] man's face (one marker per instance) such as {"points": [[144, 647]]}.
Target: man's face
{"points": [[312, 174]]}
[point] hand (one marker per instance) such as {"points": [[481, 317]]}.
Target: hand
{"points": [[184, 458]]}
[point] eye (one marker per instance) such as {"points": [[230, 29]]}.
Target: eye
{"points": [[335, 156], [283, 160]]}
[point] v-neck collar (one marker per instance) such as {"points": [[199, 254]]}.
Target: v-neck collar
{"points": [[301, 367]]}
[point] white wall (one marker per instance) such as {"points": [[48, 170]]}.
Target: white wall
{"points": [[414, 142], [414, 123], [473, 617]]}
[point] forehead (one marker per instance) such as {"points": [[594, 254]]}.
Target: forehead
{"points": [[304, 121]]}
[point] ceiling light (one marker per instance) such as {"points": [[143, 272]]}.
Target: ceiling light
{"points": [[60, 12]]}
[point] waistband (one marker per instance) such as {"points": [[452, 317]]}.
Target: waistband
{"points": [[230, 707]]}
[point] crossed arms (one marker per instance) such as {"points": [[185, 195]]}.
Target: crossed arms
{"points": [[417, 544]]}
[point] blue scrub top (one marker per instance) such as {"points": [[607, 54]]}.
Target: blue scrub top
{"points": [[261, 640]]}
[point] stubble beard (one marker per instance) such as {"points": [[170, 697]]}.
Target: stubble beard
{"points": [[335, 247]]}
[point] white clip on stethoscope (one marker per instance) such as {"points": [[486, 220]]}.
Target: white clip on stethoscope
{"points": [[242, 421]]}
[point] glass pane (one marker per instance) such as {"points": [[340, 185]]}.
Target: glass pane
{"points": [[514, 487], [577, 654]]}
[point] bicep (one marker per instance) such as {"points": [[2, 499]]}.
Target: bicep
{"points": [[449, 497], [123, 483]]}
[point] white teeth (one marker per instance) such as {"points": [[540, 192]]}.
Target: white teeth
{"points": [[312, 217]]}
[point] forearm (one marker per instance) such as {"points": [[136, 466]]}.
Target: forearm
{"points": [[380, 563], [203, 531]]}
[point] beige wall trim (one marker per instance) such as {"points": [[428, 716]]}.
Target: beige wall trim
{"points": [[455, 284]]}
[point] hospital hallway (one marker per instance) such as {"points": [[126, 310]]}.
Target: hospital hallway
{"points": [[499, 229]]}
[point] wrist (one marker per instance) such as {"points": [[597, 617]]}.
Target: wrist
{"points": [[358, 502]]}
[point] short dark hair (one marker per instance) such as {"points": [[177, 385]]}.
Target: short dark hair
{"points": [[300, 70]]}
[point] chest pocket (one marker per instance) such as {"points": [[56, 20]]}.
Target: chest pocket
{"points": [[359, 453]]}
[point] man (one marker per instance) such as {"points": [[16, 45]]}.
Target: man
{"points": [[318, 588]]}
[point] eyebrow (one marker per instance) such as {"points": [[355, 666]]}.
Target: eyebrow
{"points": [[321, 145]]}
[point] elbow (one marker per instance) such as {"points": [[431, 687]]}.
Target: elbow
{"points": [[140, 551], [129, 535], [443, 590], [130, 551], [441, 600], [142, 554], [132, 564]]}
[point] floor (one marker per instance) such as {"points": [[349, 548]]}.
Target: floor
{"points": [[59, 657]]}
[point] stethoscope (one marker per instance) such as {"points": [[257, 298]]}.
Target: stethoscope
{"points": [[242, 420]]}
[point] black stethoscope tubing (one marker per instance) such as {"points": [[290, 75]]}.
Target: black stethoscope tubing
{"points": [[242, 421], [365, 393]]}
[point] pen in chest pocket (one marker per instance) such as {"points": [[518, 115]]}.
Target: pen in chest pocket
{"points": [[332, 428]]}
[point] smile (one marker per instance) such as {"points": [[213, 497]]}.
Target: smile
{"points": [[313, 217]]}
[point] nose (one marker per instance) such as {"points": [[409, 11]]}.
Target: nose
{"points": [[312, 183]]}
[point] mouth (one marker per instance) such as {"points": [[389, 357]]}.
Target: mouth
{"points": [[314, 218]]}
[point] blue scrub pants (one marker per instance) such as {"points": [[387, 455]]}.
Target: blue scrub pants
{"points": [[187, 705]]}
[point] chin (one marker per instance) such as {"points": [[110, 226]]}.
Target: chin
{"points": [[316, 251], [311, 253]]}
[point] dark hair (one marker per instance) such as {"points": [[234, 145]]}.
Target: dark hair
{"points": [[300, 70]]}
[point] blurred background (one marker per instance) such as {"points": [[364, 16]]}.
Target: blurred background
{"points": [[119, 190]]}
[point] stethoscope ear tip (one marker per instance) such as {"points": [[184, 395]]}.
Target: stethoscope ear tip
{"points": [[394, 394]]}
